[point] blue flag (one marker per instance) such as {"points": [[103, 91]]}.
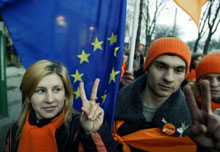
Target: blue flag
{"points": [[87, 36]]}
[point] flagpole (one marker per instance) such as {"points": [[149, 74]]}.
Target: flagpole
{"points": [[134, 33]]}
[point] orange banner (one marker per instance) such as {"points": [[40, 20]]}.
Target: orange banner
{"points": [[192, 8]]}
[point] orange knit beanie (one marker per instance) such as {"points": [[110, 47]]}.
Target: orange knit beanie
{"points": [[208, 64], [168, 45]]}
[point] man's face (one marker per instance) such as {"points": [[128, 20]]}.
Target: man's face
{"points": [[165, 75], [214, 81]]}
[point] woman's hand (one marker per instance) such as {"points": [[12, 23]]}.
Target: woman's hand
{"points": [[92, 114]]}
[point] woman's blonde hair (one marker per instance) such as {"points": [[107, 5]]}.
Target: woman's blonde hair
{"points": [[30, 80]]}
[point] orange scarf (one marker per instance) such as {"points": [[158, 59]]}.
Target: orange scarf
{"points": [[214, 105], [153, 140], [39, 139]]}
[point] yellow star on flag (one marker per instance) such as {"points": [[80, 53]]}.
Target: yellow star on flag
{"points": [[113, 74], [97, 44], [83, 57], [77, 93], [112, 39], [116, 50], [103, 98], [77, 76]]}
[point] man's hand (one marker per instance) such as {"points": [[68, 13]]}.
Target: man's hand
{"points": [[205, 129], [92, 116]]}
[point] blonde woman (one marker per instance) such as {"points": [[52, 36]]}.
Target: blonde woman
{"points": [[49, 123]]}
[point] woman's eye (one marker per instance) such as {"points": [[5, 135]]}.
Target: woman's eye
{"points": [[40, 91], [57, 90]]}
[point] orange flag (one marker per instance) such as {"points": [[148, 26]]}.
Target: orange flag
{"points": [[192, 8]]}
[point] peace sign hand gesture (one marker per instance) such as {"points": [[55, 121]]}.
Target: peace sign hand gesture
{"points": [[205, 129], [92, 114]]}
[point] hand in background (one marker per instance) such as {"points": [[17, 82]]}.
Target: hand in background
{"points": [[127, 78]]}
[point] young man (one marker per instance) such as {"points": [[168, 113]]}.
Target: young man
{"points": [[153, 109], [209, 69]]}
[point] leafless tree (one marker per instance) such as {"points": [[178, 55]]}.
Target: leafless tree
{"points": [[201, 30], [209, 22], [213, 22], [153, 10], [166, 30]]}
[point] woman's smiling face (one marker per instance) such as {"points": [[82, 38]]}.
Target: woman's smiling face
{"points": [[49, 97]]}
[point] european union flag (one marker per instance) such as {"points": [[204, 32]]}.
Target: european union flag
{"points": [[87, 36]]}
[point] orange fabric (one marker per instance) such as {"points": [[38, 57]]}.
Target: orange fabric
{"points": [[192, 75], [98, 142], [192, 8], [214, 105], [209, 64], [124, 64], [153, 140], [39, 139], [168, 45], [118, 138]]}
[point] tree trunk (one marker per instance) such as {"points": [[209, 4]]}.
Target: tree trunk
{"points": [[211, 24], [207, 42], [196, 43]]}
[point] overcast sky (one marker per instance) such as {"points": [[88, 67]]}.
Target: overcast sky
{"points": [[188, 27]]}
